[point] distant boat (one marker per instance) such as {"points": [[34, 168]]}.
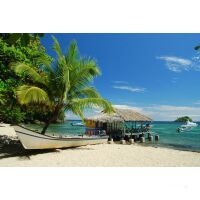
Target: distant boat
{"points": [[77, 124], [189, 124], [34, 140], [187, 127], [183, 129]]}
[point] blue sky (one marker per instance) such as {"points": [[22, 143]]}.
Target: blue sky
{"points": [[156, 74]]}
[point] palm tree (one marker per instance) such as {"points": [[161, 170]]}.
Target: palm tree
{"points": [[62, 86]]}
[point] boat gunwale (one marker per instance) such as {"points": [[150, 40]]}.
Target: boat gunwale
{"points": [[28, 129], [64, 139]]}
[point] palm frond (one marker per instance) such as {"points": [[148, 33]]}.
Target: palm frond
{"points": [[84, 74], [32, 95], [57, 48], [86, 92], [92, 103], [21, 68], [72, 54], [43, 60], [76, 110], [62, 78]]}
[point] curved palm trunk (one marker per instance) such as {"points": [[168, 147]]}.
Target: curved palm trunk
{"points": [[45, 128], [53, 117]]}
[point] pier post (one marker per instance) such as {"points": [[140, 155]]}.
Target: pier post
{"points": [[135, 137], [150, 138], [142, 139], [131, 141], [110, 141], [156, 137], [123, 141]]}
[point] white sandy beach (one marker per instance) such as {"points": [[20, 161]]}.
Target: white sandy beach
{"points": [[107, 155]]}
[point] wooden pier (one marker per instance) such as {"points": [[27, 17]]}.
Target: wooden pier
{"points": [[147, 137], [123, 126]]}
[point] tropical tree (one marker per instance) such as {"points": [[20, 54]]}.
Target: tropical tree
{"points": [[25, 38], [62, 86], [12, 51], [183, 119]]}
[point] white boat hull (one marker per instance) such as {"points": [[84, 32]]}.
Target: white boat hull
{"points": [[189, 125], [33, 140]]}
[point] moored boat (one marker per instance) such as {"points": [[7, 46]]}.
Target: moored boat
{"points": [[183, 129], [189, 124], [77, 124], [34, 140], [187, 127]]}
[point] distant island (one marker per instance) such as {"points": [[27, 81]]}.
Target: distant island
{"points": [[183, 119]]}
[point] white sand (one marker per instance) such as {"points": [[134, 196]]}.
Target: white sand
{"points": [[108, 155], [6, 129]]}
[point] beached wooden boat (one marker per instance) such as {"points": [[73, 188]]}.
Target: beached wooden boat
{"points": [[34, 140]]}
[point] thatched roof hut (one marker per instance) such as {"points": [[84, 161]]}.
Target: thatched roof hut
{"points": [[120, 115], [115, 122], [103, 117], [132, 115]]}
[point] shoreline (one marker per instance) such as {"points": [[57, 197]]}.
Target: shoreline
{"points": [[102, 155], [169, 138], [171, 146]]}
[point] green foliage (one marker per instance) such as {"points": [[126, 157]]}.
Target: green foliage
{"points": [[33, 94], [13, 115], [183, 119], [31, 53], [64, 86], [25, 38]]}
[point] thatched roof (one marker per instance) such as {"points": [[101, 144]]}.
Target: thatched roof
{"points": [[120, 115], [103, 117]]}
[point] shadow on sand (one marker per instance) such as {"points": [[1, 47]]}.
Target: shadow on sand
{"points": [[15, 149]]}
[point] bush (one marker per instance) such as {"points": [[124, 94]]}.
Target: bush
{"points": [[183, 119], [13, 49], [12, 115]]}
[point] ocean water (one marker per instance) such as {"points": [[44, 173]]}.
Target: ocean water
{"points": [[169, 138], [188, 140]]}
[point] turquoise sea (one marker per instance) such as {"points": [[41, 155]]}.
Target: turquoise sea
{"points": [[169, 138], [188, 140]]}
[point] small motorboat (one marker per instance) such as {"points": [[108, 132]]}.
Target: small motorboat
{"points": [[183, 129], [187, 127], [34, 140], [77, 124], [189, 124]]}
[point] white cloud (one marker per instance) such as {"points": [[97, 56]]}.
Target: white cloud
{"points": [[196, 60], [172, 108], [120, 82], [166, 112], [129, 88], [121, 106], [169, 112], [178, 60], [156, 112], [87, 113], [177, 64]]}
